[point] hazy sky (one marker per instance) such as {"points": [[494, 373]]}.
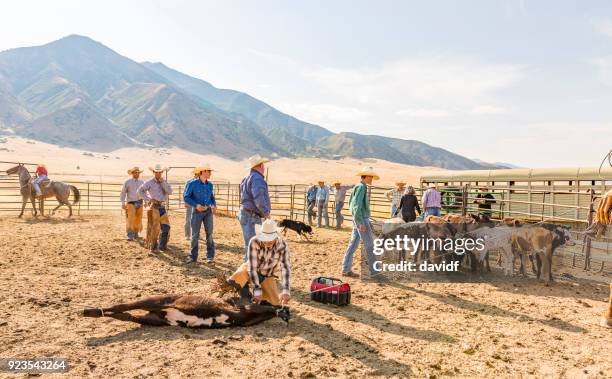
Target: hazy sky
{"points": [[525, 82]]}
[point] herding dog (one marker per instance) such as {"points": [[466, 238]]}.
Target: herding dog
{"points": [[302, 230]]}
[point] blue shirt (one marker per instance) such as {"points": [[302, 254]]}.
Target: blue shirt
{"points": [[311, 195], [322, 193], [254, 194], [198, 193]]}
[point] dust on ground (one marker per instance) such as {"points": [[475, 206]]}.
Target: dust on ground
{"points": [[458, 326]]}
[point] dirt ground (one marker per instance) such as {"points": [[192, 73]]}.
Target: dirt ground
{"points": [[458, 326]]}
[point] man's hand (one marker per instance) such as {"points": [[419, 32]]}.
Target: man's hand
{"points": [[362, 227], [200, 208], [284, 298]]}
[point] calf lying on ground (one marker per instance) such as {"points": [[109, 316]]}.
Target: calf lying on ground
{"points": [[191, 311]]}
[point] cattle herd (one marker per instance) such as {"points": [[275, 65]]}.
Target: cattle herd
{"points": [[514, 239]]}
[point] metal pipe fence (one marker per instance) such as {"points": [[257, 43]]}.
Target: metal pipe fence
{"points": [[289, 201]]}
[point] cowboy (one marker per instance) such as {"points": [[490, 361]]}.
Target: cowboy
{"points": [[484, 199], [155, 192], [189, 210], [395, 195], [131, 201], [339, 196], [322, 199], [254, 200], [200, 196], [362, 229], [311, 197], [432, 201], [41, 174], [267, 250]]}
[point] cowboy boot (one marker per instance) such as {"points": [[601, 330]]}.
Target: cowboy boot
{"points": [[244, 292]]}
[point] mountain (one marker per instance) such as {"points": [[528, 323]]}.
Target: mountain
{"points": [[77, 92], [496, 164]]}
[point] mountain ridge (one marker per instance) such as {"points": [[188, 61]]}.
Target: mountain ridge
{"points": [[78, 92]]}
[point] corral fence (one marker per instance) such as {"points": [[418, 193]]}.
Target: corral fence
{"points": [[566, 206]]}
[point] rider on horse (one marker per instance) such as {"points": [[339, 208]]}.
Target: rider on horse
{"points": [[41, 175]]}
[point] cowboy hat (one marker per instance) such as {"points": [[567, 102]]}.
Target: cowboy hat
{"points": [[157, 168], [321, 181], [431, 185], [368, 171], [400, 182], [134, 169], [267, 231], [336, 182], [256, 160], [202, 167]]}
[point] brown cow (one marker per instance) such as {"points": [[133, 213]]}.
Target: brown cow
{"points": [[540, 240], [191, 311], [606, 318]]}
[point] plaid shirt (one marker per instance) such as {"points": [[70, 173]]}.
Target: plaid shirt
{"points": [[395, 196], [264, 260], [432, 199]]}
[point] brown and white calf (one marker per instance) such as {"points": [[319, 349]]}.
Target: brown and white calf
{"points": [[191, 311]]}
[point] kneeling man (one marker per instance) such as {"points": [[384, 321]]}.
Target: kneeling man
{"points": [[267, 250]]}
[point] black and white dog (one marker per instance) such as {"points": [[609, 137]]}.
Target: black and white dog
{"points": [[302, 230]]}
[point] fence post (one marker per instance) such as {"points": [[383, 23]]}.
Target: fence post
{"points": [[586, 240], [291, 205], [87, 195]]}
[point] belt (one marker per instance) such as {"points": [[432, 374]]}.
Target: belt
{"points": [[252, 212], [206, 207]]}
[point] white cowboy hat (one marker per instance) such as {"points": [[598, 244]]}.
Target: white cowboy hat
{"points": [[134, 169], [203, 167], [257, 159], [267, 231], [368, 171], [158, 168]]}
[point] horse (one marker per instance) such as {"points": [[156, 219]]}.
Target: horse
{"points": [[60, 190]]}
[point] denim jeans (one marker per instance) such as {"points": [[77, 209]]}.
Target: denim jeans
{"points": [[188, 213], [322, 207], [247, 224], [310, 210], [368, 241], [36, 184], [197, 219], [393, 210], [432, 211], [339, 217]]}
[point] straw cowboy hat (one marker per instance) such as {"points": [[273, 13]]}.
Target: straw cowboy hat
{"points": [[399, 183], [336, 182], [257, 159], [321, 181], [267, 231], [203, 167], [158, 168], [368, 171], [134, 169]]}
